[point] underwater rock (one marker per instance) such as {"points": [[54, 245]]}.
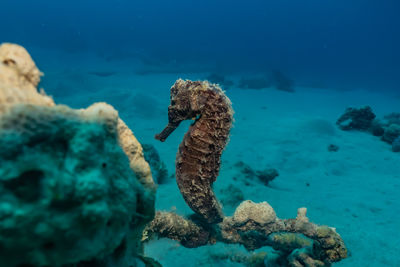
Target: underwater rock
{"points": [[333, 148], [391, 133], [67, 190], [377, 128], [57, 185], [17, 59], [158, 168], [245, 170], [356, 119], [364, 119], [396, 145], [19, 77], [267, 175], [248, 174], [198, 157], [392, 118]]}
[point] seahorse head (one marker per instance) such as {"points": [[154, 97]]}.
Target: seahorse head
{"points": [[184, 101], [187, 102]]}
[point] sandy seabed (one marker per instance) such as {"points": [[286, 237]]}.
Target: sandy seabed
{"points": [[355, 189]]}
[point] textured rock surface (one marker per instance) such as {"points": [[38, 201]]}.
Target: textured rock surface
{"points": [[19, 77], [391, 133], [173, 226], [356, 119], [255, 225], [261, 213], [67, 189], [396, 145], [18, 59], [377, 128], [392, 118], [134, 151]]}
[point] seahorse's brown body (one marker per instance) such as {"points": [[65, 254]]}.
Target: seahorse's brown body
{"points": [[198, 157]]}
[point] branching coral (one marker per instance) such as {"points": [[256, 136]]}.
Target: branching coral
{"points": [[255, 225]]}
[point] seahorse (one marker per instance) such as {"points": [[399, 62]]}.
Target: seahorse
{"points": [[199, 155]]}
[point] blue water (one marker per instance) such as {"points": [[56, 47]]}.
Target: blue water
{"points": [[335, 42], [337, 54]]}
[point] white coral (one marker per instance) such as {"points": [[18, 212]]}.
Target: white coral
{"points": [[261, 213], [17, 58]]}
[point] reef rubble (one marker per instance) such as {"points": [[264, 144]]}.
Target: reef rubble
{"points": [[364, 119], [298, 242]]}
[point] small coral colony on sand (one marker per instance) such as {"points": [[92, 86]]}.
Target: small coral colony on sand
{"points": [[76, 191]]}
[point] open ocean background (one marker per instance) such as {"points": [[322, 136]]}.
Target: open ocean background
{"points": [[337, 54]]}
